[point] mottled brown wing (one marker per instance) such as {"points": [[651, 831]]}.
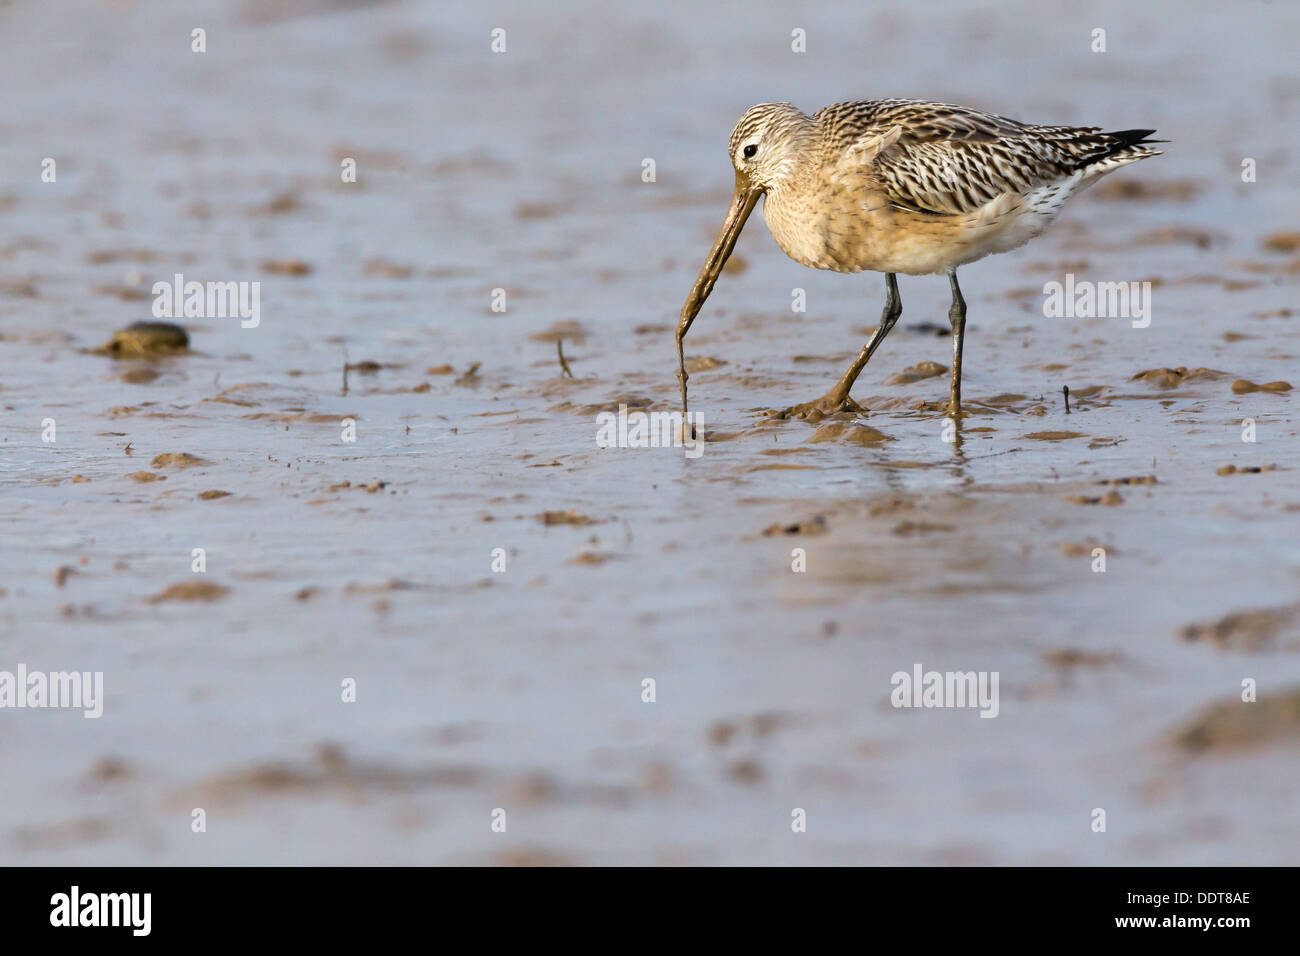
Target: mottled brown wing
{"points": [[937, 158]]}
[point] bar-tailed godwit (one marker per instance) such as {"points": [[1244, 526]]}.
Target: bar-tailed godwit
{"points": [[901, 186]]}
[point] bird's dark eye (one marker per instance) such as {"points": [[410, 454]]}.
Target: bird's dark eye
{"points": [[750, 150]]}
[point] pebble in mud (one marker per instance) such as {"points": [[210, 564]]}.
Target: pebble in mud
{"points": [[181, 460], [815, 525], [1075, 549], [1242, 386], [565, 517], [1130, 480], [916, 373], [1282, 242], [849, 432], [1109, 498], [287, 267], [1232, 725], [1173, 377], [142, 339], [591, 557], [1254, 630], [1244, 470], [372, 488], [190, 591]]}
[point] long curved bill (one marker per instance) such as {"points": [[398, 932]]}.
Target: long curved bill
{"points": [[742, 204]]}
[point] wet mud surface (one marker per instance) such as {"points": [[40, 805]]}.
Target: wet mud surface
{"points": [[499, 587]]}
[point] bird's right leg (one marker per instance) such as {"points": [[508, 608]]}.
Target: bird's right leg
{"points": [[837, 399], [957, 316]]}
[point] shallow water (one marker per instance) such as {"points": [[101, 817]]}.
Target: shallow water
{"points": [[522, 690]]}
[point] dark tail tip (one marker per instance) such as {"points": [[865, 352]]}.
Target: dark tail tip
{"points": [[1135, 137]]}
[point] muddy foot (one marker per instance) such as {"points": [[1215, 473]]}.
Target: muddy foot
{"points": [[827, 406]]}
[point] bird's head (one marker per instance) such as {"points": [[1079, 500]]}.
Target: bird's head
{"points": [[767, 144]]}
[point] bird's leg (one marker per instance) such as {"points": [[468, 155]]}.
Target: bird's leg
{"points": [[893, 309], [837, 399], [957, 316]]}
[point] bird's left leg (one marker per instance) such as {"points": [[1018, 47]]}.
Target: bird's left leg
{"points": [[837, 399], [956, 316]]}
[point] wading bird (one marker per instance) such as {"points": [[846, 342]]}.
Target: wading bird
{"points": [[901, 186]]}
